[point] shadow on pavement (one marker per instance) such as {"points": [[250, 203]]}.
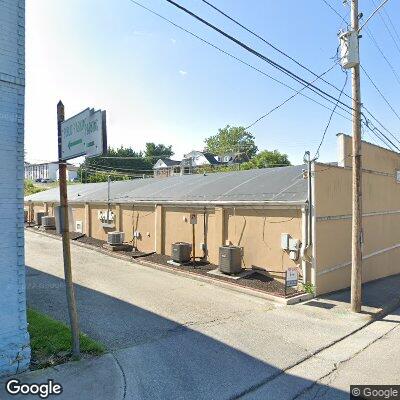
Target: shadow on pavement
{"points": [[160, 358]]}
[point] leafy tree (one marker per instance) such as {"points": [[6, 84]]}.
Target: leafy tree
{"points": [[232, 139], [121, 161], [267, 159], [155, 151]]}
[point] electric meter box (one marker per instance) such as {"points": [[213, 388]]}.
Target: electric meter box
{"points": [[349, 56]]}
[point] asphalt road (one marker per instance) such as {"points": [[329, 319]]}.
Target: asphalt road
{"points": [[174, 337], [378, 364]]}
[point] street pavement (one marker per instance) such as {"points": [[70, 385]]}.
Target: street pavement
{"points": [[171, 337]]}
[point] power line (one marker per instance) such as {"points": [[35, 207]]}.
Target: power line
{"points": [[380, 92], [373, 13], [312, 87], [294, 76], [271, 45], [387, 28], [231, 55], [336, 12], [369, 33], [290, 98], [329, 120], [254, 68], [380, 135], [391, 24]]}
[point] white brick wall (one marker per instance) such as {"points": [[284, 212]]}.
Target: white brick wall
{"points": [[14, 339]]}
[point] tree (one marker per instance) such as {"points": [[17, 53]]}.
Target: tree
{"points": [[232, 139], [267, 159], [155, 151], [122, 162]]}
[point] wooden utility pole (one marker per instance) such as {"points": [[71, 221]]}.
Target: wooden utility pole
{"points": [[356, 257], [72, 310]]}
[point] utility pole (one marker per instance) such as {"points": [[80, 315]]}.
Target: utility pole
{"points": [[356, 256], [69, 286]]}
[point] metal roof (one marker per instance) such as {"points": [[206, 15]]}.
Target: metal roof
{"points": [[283, 184]]}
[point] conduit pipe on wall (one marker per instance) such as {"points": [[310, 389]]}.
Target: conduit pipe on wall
{"points": [[308, 210]]}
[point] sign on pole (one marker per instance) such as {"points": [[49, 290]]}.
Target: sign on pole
{"points": [[84, 134]]}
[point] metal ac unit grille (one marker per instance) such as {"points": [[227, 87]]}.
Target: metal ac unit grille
{"points": [[48, 222], [114, 238], [181, 251], [230, 259]]}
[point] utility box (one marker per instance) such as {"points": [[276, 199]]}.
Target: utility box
{"points": [[230, 259], [285, 237], [38, 217], [181, 251], [349, 55], [59, 219]]}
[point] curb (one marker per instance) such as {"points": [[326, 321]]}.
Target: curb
{"points": [[227, 285]]}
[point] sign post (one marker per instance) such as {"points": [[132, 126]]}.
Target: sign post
{"points": [[84, 134], [72, 309]]}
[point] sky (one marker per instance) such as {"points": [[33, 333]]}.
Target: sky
{"points": [[160, 84]]}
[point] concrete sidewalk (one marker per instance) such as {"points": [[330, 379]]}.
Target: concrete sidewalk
{"points": [[171, 337]]}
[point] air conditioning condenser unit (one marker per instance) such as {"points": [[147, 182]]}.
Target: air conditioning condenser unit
{"points": [[230, 259], [181, 252], [115, 238]]}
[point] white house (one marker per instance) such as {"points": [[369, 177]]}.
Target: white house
{"points": [[14, 337], [41, 171], [196, 159], [166, 167], [48, 171]]}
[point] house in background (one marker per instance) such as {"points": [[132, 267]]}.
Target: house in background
{"points": [[232, 158], [191, 161], [166, 167], [48, 171]]}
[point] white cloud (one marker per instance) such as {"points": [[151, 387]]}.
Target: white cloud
{"points": [[182, 72]]}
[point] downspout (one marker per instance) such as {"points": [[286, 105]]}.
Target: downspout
{"points": [[308, 217]]}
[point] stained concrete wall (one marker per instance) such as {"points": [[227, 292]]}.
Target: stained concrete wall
{"points": [[14, 339], [381, 218]]}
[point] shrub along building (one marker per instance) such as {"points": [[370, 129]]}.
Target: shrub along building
{"points": [[254, 210]]}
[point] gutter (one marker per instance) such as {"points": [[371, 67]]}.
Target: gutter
{"points": [[291, 204]]}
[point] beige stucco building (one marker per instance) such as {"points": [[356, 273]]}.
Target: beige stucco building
{"points": [[252, 209]]}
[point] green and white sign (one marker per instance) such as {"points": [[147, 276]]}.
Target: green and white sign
{"points": [[84, 134]]}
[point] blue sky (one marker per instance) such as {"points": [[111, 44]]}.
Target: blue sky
{"points": [[159, 84]]}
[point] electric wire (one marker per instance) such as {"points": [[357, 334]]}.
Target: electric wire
{"points": [[286, 71], [319, 76], [336, 12], [290, 98], [380, 92], [373, 13], [374, 41], [387, 28], [391, 24], [316, 156], [232, 56], [317, 90]]}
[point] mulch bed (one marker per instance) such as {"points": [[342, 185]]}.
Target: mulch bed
{"points": [[259, 280]]}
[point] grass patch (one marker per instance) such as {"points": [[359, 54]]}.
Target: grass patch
{"points": [[51, 341]]}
